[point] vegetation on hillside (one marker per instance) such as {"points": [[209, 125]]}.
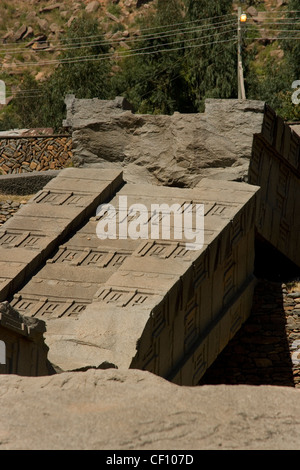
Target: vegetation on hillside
{"points": [[186, 52]]}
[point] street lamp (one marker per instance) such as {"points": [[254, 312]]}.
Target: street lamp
{"points": [[242, 18]]}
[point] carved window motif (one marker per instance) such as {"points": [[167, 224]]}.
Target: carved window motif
{"points": [[24, 240], [283, 180], [93, 258], [32, 241], [118, 259], [163, 250], [75, 200], [50, 197], [65, 255], [149, 359], [255, 161], [57, 198], [104, 258], [236, 229], [229, 281], [114, 296], [282, 188], [157, 250], [200, 364], [75, 309], [8, 238], [49, 308], [190, 328], [201, 270], [159, 321], [24, 305], [139, 299], [294, 152], [236, 321], [123, 298], [280, 199], [219, 209], [283, 232], [57, 309]]}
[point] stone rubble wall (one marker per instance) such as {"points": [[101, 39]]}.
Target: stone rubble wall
{"points": [[19, 154]]}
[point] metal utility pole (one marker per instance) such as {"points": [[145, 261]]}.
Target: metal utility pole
{"points": [[240, 73]]}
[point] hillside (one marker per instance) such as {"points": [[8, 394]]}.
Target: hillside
{"points": [[33, 39], [33, 31]]}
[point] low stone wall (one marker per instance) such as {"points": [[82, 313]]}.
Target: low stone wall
{"points": [[26, 183], [19, 154]]}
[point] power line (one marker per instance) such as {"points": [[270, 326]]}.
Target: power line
{"points": [[277, 38], [95, 58], [153, 27], [108, 43], [120, 53]]}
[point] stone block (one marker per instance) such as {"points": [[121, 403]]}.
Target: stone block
{"points": [[274, 166], [36, 231], [174, 296]]}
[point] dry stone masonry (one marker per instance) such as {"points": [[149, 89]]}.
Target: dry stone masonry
{"points": [[26, 154]]}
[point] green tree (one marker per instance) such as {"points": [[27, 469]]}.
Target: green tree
{"points": [[211, 55], [83, 70], [272, 73], [24, 110], [291, 46], [151, 77]]}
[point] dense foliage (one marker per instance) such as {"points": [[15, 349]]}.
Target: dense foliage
{"points": [[187, 52]]}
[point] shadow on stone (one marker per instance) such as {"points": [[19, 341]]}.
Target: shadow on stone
{"points": [[260, 354]]}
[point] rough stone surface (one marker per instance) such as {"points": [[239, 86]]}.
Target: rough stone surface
{"points": [[135, 410], [274, 166], [92, 7], [143, 303], [107, 134]]}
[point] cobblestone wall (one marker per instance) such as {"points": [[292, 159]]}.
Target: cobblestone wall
{"points": [[25, 154]]}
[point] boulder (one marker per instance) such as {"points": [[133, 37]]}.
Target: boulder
{"points": [[177, 150], [20, 33], [252, 11], [43, 24], [92, 7], [116, 409]]}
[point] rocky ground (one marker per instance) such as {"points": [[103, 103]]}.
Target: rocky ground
{"points": [[9, 206], [266, 350], [136, 410]]}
